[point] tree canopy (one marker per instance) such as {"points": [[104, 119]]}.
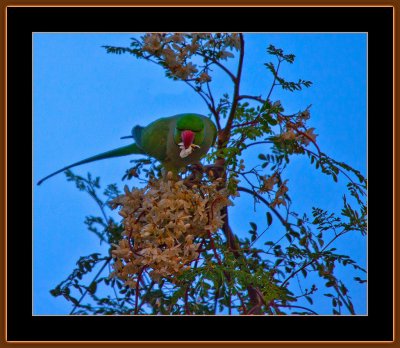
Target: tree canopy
{"points": [[175, 251]]}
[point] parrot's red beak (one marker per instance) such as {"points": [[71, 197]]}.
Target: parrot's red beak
{"points": [[187, 138]]}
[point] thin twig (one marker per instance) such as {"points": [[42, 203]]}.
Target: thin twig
{"points": [[259, 99], [187, 310], [262, 199], [235, 99], [300, 307], [217, 63], [147, 292], [137, 291], [313, 259], [275, 76], [87, 289]]}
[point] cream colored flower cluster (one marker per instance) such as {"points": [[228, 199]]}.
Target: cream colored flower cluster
{"points": [[295, 128], [268, 184], [163, 225], [176, 49]]}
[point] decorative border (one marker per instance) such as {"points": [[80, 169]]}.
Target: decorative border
{"points": [[196, 3]]}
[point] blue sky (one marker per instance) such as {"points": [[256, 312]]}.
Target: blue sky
{"points": [[84, 100]]}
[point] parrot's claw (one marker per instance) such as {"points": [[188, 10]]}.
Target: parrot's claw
{"points": [[214, 171], [196, 174]]}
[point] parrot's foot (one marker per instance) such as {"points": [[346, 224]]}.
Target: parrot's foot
{"points": [[196, 174], [214, 171], [170, 175]]}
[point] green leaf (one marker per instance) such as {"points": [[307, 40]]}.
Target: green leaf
{"points": [[343, 289], [92, 288], [329, 284], [74, 300], [269, 218], [273, 122]]}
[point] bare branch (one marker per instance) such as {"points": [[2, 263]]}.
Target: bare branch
{"points": [[221, 66], [235, 99], [259, 99], [273, 82]]}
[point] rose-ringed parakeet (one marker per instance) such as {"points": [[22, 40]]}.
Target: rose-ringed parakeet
{"points": [[175, 141]]}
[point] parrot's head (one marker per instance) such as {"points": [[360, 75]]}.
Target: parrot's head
{"points": [[189, 133]]}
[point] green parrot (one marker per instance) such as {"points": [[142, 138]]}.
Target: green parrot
{"points": [[175, 141]]}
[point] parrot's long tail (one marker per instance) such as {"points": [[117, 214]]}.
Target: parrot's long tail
{"points": [[121, 151]]}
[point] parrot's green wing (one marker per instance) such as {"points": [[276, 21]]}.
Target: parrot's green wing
{"points": [[154, 138], [121, 151]]}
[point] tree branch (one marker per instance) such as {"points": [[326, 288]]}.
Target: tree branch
{"points": [[262, 199], [217, 63], [235, 99], [87, 289], [275, 76], [259, 99]]}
